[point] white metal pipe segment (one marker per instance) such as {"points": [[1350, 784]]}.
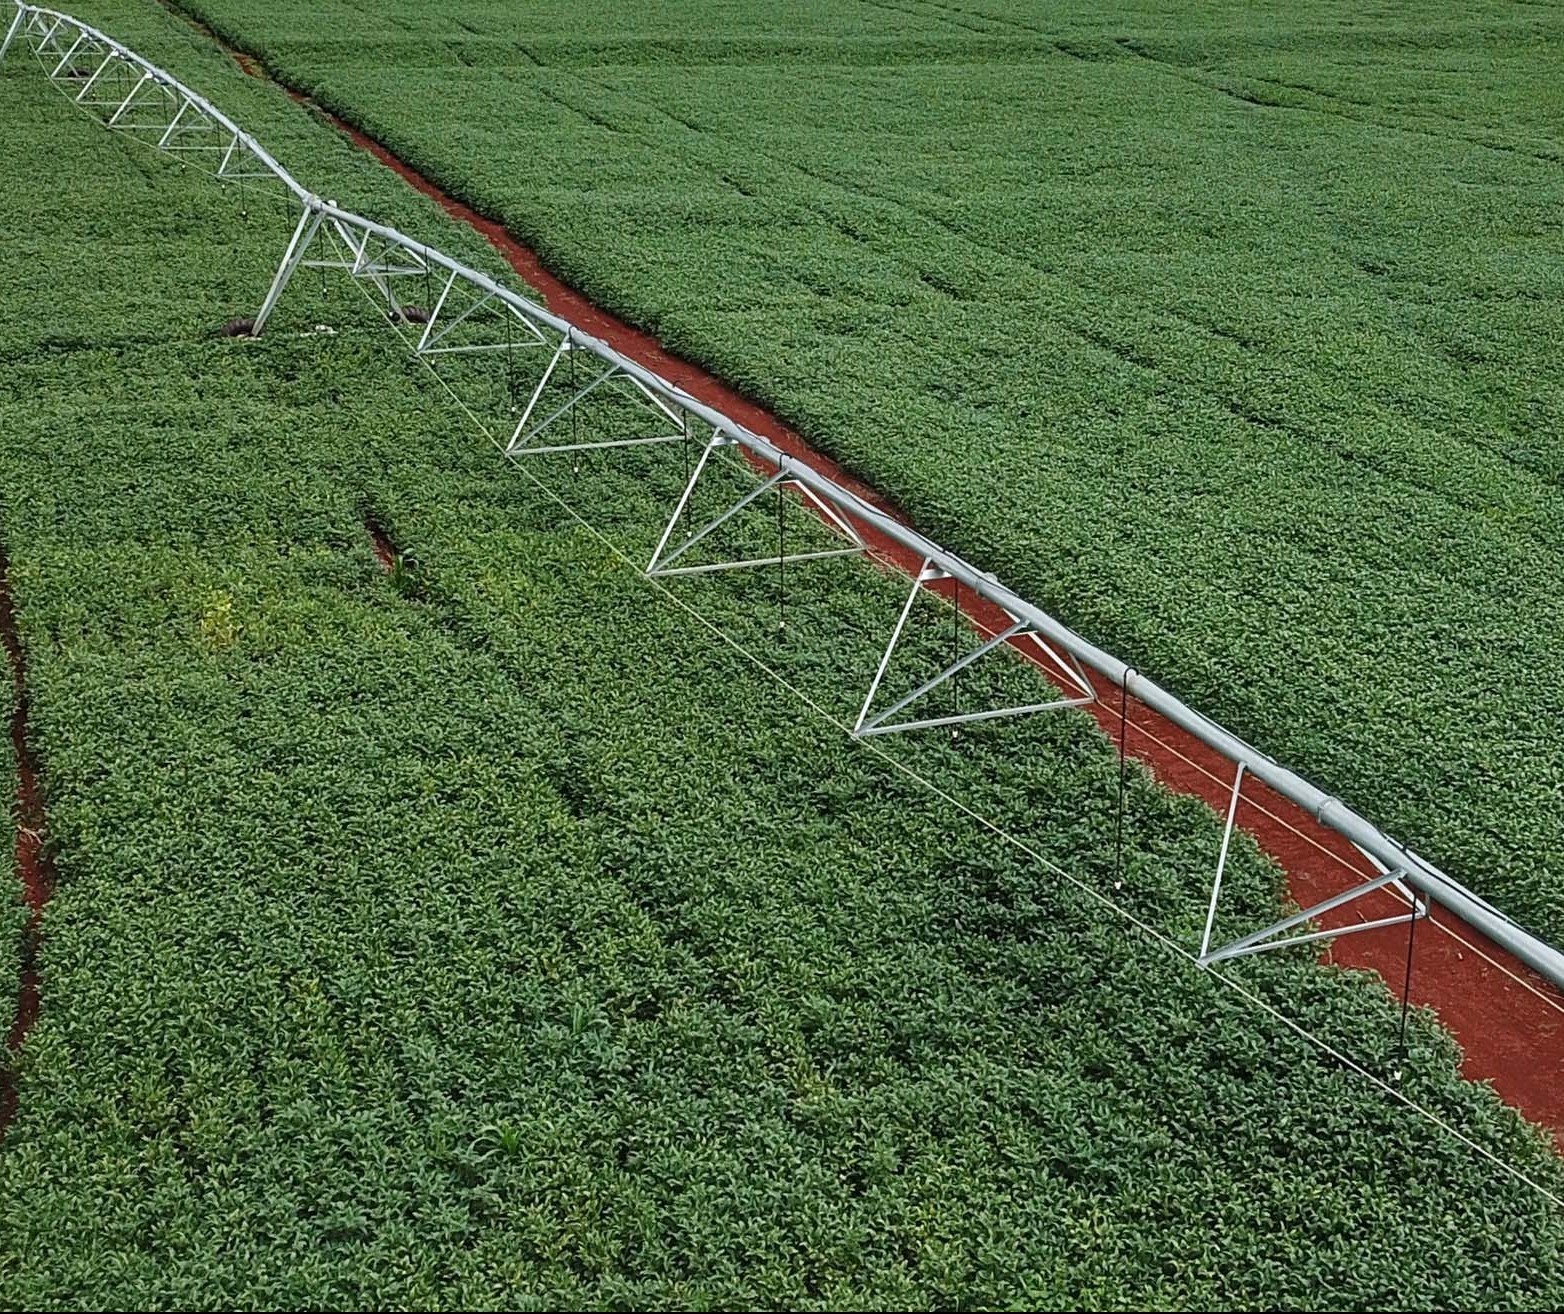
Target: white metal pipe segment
{"points": [[1328, 810]]}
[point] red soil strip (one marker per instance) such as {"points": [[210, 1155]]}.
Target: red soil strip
{"points": [[1508, 1020], [1510, 1034], [33, 866]]}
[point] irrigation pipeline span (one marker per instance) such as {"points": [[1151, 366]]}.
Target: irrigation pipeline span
{"points": [[64, 39]]}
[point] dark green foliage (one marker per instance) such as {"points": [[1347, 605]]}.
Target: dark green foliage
{"points": [[1227, 332], [518, 943]]}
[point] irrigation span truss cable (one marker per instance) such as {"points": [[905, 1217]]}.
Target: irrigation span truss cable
{"points": [[185, 121]]}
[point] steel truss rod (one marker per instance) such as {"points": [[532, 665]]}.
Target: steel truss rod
{"points": [[69, 52], [718, 439], [1221, 862], [17, 19], [1398, 885], [1261, 941], [109, 58], [662, 561], [523, 438], [51, 22], [173, 125], [833, 517], [881, 723], [439, 325], [357, 265], [430, 338], [1416, 872], [230, 174], [560, 353], [364, 267], [303, 234], [87, 58], [1065, 667], [125, 104], [927, 573], [48, 28]]}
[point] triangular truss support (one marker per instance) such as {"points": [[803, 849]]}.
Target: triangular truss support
{"points": [[129, 97], [1064, 671], [1264, 940], [189, 119], [70, 53], [240, 165], [614, 377], [358, 259], [392, 260], [664, 556], [444, 318], [39, 28], [109, 60]]}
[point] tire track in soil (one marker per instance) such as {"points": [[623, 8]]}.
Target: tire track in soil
{"points": [[1508, 1020], [34, 867]]}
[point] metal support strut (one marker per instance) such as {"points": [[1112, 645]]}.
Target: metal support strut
{"points": [[1263, 940], [17, 20], [1063, 672], [663, 558], [52, 36], [303, 234]]}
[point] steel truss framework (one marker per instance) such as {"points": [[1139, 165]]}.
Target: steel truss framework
{"points": [[472, 316]]}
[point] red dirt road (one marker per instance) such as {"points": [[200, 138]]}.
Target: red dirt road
{"points": [[1508, 1020]]}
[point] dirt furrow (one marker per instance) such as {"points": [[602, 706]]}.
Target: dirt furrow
{"points": [[34, 868]]}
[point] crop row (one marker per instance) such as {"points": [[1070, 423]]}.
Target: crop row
{"points": [[494, 934], [1254, 388]]}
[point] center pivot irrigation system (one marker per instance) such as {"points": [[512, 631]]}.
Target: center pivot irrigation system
{"points": [[473, 314]]}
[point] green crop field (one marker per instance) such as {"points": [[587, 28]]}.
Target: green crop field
{"points": [[1228, 332], [494, 932]]}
